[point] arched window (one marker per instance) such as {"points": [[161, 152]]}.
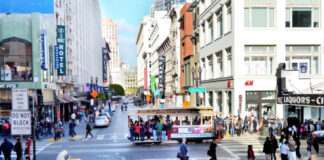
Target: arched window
{"points": [[15, 60]]}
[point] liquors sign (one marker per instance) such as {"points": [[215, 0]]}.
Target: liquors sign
{"points": [[302, 99]]}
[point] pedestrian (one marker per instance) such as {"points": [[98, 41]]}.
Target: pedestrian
{"points": [[6, 148], [267, 148], [292, 148], [183, 150], [284, 151], [296, 138], [154, 130], [56, 134], [18, 149], [39, 131], [73, 116], [164, 130], [142, 129], [250, 153], [149, 130], [27, 149], [312, 148], [169, 129], [159, 127], [212, 149], [71, 125], [137, 131], [274, 143], [88, 131], [131, 131]]}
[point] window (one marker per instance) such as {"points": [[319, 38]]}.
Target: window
{"points": [[186, 120], [229, 17], [210, 30], [203, 35], [219, 64], [299, 16], [196, 120], [210, 68], [15, 60], [305, 59], [259, 60], [259, 13], [210, 98], [229, 62], [207, 120], [219, 24]]}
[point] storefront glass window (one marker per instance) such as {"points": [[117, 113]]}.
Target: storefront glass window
{"points": [[15, 60], [251, 95], [210, 98], [220, 101], [268, 95]]}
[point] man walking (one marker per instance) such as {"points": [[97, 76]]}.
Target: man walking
{"points": [[183, 150], [88, 131], [159, 127], [6, 148], [18, 149], [212, 149]]}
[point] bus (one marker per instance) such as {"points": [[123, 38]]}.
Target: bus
{"points": [[192, 123]]}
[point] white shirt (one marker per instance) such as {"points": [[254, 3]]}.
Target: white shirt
{"points": [[284, 149]]}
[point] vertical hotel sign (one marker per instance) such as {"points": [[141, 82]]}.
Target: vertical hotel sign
{"points": [[104, 65], [162, 75], [61, 50]]}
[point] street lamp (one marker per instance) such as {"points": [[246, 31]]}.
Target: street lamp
{"points": [[196, 79], [91, 83], [97, 83]]}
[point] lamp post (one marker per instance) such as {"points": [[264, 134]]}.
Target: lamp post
{"points": [[91, 84], [196, 80], [96, 83]]}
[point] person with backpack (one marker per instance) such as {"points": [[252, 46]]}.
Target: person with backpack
{"points": [[212, 149], [18, 149], [250, 153]]}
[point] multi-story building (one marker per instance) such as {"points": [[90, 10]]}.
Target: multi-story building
{"points": [[166, 5], [186, 51], [241, 43], [143, 51], [130, 81], [109, 32]]}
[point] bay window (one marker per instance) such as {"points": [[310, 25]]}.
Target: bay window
{"points": [[15, 60]]}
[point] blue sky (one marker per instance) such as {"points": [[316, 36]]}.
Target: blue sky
{"points": [[128, 15]]}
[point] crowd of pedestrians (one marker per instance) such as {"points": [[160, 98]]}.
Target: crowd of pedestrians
{"points": [[155, 128]]}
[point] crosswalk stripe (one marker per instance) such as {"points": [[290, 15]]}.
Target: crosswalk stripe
{"points": [[100, 136]]}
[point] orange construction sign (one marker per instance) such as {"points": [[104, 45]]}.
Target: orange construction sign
{"points": [[94, 94], [148, 97]]}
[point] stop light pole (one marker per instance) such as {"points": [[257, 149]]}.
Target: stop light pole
{"points": [[34, 122]]}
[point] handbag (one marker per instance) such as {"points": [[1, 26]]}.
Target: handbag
{"points": [[179, 155], [209, 153]]}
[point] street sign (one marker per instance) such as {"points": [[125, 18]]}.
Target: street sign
{"points": [[94, 94], [197, 89], [20, 123], [19, 99]]}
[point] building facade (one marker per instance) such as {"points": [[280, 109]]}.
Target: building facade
{"points": [[241, 45], [109, 32], [130, 81]]}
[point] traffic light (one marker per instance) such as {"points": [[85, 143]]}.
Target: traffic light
{"points": [[197, 101], [40, 101]]}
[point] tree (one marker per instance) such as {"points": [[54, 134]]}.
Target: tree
{"points": [[119, 90], [101, 97]]}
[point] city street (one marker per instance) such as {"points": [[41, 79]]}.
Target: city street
{"points": [[112, 143]]}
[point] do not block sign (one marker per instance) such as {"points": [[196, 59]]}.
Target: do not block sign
{"points": [[20, 123]]}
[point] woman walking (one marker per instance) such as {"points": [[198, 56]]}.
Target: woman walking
{"points": [[312, 148], [250, 153], [88, 131]]}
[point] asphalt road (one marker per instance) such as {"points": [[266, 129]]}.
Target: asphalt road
{"points": [[112, 144]]}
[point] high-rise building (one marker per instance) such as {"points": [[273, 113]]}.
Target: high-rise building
{"points": [[166, 5], [109, 32]]}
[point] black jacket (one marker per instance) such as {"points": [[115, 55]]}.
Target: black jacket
{"points": [[212, 148], [267, 148], [18, 148], [88, 128], [6, 147]]}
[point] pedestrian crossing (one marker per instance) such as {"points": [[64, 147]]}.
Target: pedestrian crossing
{"points": [[238, 146], [40, 146], [120, 136]]}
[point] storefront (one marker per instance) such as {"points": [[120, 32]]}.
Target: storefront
{"points": [[260, 104]]}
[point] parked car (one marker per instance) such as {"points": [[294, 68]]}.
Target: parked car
{"points": [[319, 135], [101, 121]]}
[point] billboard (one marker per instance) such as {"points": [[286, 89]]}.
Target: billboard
{"points": [[27, 6]]}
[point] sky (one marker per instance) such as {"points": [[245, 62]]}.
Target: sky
{"points": [[128, 15]]}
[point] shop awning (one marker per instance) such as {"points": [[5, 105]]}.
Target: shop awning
{"points": [[74, 99], [69, 99], [62, 100]]}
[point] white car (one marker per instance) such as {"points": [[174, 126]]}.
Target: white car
{"points": [[101, 121]]}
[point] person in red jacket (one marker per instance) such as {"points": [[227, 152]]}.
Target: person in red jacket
{"points": [[137, 130], [250, 153]]}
